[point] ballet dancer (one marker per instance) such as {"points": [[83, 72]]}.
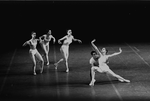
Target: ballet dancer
{"points": [[67, 40], [33, 52], [98, 63], [44, 41]]}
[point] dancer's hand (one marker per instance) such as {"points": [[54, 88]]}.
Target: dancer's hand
{"points": [[79, 41], [53, 41], [93, 40], [23, 44], [59, 41], [27, 42]]}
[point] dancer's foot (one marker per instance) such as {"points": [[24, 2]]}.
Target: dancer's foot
{"points": [[121, 80], [92, 82], [47, 63], [67, 70], [124, 80], [34, 73], [127, 81]]}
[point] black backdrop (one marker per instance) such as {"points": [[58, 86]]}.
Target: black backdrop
{"points": [[110, 21]]}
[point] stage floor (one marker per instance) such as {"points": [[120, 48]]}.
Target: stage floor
{"points": [[17, 81]]}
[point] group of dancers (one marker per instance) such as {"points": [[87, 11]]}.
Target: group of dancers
{"points": [[44, 42], [98, 60]]}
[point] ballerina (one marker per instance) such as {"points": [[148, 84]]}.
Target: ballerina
{"points": [[33, 52], [44, 41], [65, 48]]}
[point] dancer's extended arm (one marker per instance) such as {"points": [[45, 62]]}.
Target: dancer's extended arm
{"points": [[76, 40], [53, 39], [117, 53], [95, 47]]}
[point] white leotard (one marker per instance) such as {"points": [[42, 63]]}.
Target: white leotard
{"points": [[103, 59], [102, 63], [33, 43], [46, 40], [68, 40]]}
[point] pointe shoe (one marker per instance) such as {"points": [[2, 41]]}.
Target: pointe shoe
{"points": [[127, 81], [47, 63], [124, 80], [92, 83], [67, 70], [34, 73]]}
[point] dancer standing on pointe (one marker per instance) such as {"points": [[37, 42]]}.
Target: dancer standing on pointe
{"points": [[65, 48], [44, 41], [98, 63], [34, 52]]}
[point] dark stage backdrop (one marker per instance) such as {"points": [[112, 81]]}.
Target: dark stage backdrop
{"points": [[108, 22]]}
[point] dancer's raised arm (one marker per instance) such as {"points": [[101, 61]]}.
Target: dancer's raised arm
{"points": [[95, 47], [120, 51]]}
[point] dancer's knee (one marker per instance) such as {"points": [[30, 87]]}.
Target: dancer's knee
{"points": [[93, 69], [66, 62], [34, 64]]}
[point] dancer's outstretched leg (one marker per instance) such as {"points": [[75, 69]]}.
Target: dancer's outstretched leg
{"points": [[121, 79]]}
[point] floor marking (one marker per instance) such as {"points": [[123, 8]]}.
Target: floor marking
{"points": [[138, 54], [118, 94], [144, 89], [56, 74], [8, 69], [54, 54], [136, 49]]}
